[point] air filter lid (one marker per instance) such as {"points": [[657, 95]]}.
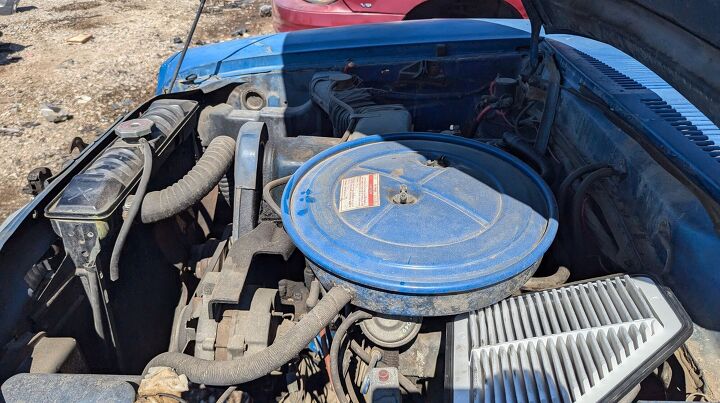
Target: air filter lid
{"points": [[419, 213]]}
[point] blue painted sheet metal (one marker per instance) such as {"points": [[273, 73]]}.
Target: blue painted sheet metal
{"points": [[336, 46], [681, 141], [637, 72], [645, 114], [273, 52]]}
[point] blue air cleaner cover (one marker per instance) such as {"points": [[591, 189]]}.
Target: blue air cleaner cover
{"points": [[420, 224]]}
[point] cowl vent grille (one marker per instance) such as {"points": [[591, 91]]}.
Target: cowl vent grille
{"points": [[684, 126], [671, 106], [585, 342], [620, 79]]}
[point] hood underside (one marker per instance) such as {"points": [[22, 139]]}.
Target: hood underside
{"points": [[678, 40]]}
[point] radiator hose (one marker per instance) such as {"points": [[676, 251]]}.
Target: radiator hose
{"points": [[257, 365], [196, 184]]}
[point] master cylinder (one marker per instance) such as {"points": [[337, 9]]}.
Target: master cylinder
{"points": [[84, 214]]}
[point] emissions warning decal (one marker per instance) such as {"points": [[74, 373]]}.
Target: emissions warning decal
{"points": [[359, 192]]}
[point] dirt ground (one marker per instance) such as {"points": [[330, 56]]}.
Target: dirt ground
{"points": [[96, 82]]}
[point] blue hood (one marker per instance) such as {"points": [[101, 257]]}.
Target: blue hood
{"points": [[329, 46]]}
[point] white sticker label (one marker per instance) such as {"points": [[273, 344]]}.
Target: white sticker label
{"points": [[359, 192]]}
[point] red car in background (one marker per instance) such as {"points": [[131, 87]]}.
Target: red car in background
{"points": [[291, 15]]}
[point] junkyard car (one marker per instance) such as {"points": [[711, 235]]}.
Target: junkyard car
{"points": [[445, 210], [291, 15]]}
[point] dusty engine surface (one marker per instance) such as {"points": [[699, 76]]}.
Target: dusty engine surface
{"points": [[346, 248], [420, 224], [410, 226]]}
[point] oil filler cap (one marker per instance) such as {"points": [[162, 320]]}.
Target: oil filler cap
{"points": [[420, 224]]}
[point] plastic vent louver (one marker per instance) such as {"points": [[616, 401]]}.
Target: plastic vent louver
{"points": [[660, 107], [581, 343], [620, 79], [684, 126]]}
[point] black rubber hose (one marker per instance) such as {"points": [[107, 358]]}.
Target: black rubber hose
{"points": [[195, 185], [579, 198], [572, 177], [226, 395], [556, 279], [267, 193], [254, 366], [519, 146], [551, 102], [351, 392], [226, 186], [133, 212], [314, 294], [335, 351]]}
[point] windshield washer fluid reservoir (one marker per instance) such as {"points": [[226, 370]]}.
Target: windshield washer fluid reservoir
{"points": [[420, 224]]}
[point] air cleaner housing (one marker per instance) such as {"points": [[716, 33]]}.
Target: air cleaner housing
{"points": [[420, 224]]}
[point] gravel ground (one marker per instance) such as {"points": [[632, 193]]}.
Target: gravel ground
{"points": [[96, 82]]}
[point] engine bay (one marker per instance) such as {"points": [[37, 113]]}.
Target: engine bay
{"points": [[402, 231]]}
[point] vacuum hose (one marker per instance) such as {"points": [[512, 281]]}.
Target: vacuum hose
{"points": [[197, 183], [579, 199], [254, 366], [267, 193], [557, 279], [335, 351], [518, 146], [132, 213]]}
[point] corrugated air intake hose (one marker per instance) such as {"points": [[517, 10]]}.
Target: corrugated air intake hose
{"points": [[197, 183], [257, 365]]}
